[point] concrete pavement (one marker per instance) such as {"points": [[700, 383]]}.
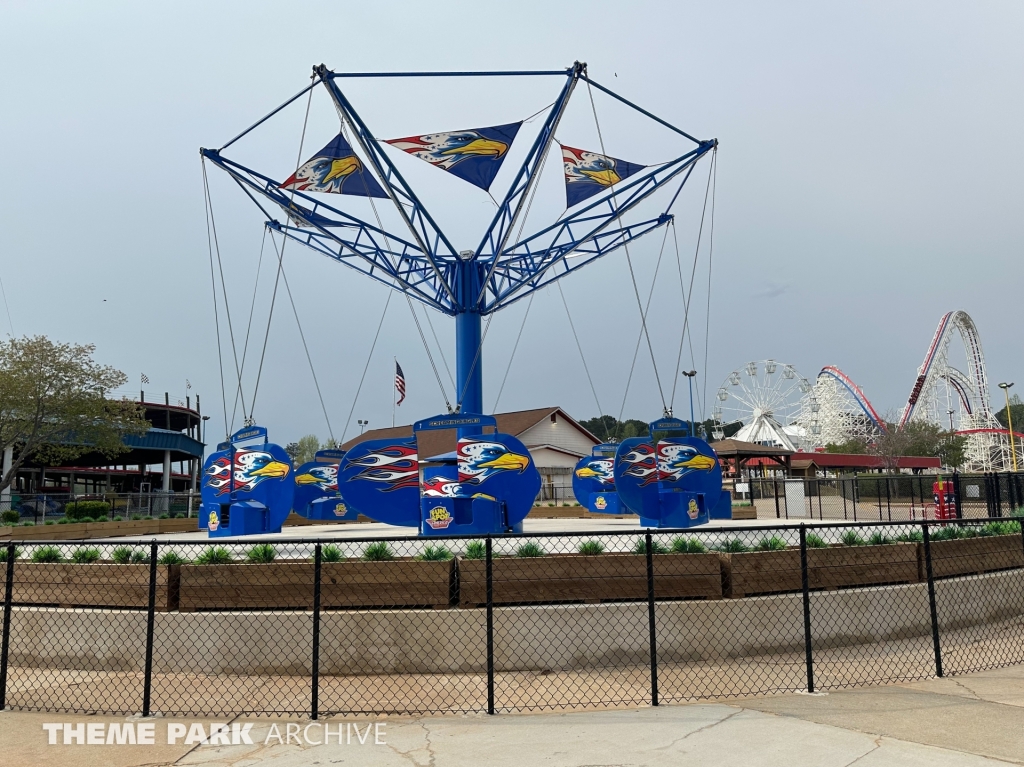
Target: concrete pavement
{"points": [[975, 719]]}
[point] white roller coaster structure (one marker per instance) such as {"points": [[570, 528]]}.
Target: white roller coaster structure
{"points": [[836, 409]]}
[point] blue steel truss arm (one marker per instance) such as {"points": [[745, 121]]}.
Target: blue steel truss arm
{"points": [[528, 259], [419, 221], [496, 237], [418, 283], [381, 251], [582, 254], [640, 109], [267, 116]]}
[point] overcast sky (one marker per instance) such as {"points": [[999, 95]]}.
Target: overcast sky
{"points": [[869, 181]]}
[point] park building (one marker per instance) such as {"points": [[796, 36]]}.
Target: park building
{"points": [[166, 459], [555, 439]]}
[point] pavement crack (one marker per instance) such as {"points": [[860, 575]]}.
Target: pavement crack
{"points": [[698, 730], [961, 685], [878, 745], [429, 747]]}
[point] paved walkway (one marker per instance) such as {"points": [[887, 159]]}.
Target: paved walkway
{"points": [[977, 719]]}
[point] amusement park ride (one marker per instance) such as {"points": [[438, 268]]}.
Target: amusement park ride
{"points": [[488, 484], [777, 406]]}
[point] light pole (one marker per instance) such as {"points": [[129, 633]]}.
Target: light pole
{"points": [[362, 425], [1009, 421], [950, 413], [689, 377]]}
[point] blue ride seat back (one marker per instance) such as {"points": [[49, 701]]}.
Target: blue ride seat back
{"points": [[593, 481], [316, 481]]}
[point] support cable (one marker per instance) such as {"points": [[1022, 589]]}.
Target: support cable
{"points": [[252, 309], [513, 355], [711, 252], [629, 262], [586, 369], [7, 306], [305, 346], [224, 288], [476, 359], [366, 367], [688, 297], [280, 261], [216, 312], [440, 349]]}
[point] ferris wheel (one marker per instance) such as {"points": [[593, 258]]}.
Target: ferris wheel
{"points": [[765, 399]]}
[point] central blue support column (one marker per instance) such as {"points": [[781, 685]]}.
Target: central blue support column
{"points": [[469, 379]]}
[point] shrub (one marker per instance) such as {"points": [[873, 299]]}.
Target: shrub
{"points": [[10, 517], [171, 558], [85, 555], [879, 539], [140, 557], [815, 541], [330, 553], [774, 543], [28, 524], [591, 548], [530, 549], [119, 518], [1000, 528], [63, 521], [47, 554], [378, 552], [50, 522], [165, 515], [435, 554], [136, 517], [81, 520], [733, 546], [476, 550], [215, 555], [681, 545], [78, 510], [850, 538], [261, 553], [914, 536], [122, 555], [657, 547]]}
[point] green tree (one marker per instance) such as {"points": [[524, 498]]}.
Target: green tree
{"points": [[849, 447], [1016, 411], [53, 407], [306, 449]]}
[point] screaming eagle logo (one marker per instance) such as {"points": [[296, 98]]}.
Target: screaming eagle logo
{"points": [[324, 477], [641, 464], [447, 149], [601, 470], [394, 466], [479, 461], [251, 468], [676, 461], [441, 487]]}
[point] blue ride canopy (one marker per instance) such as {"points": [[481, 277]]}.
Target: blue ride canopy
{"points": [[316, 489], [246, 490], [593, 481], [487, 485], [673, 482]]}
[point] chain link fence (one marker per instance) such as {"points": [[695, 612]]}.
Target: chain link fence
{"points": [[64, 508], [510, 623]]}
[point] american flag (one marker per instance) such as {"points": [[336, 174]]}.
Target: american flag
{"points": [[399, 383]]}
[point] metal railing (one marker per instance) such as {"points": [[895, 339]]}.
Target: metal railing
{"points": [[881, 497], [44, 508], [509, 623]]}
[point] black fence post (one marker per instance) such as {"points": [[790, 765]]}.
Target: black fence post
{"points": [[147, 685], [888, 497], [957, 498], [775, 487], [807, 608], [652, 629], [842, 492], [931, 598], [878, 492], [490, 625], [999, 494], [6, 644], [314, 707]]}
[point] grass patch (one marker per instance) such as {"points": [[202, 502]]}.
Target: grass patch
{"points": [[657, 547], [476, 550], [215, 555], [851, 538], [122, 555], [591, 548], [733, 546], [435, 554], [878, 539], [85, 555], [47, 554], [262, 553], [774, 543], [914, 536], [171, 558], [530, 549], [378, 552], [815, 541], [682, 545], [330, 553], [1000, 528]]}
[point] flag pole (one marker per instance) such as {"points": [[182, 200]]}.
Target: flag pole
{"points": [[394, 395]]}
